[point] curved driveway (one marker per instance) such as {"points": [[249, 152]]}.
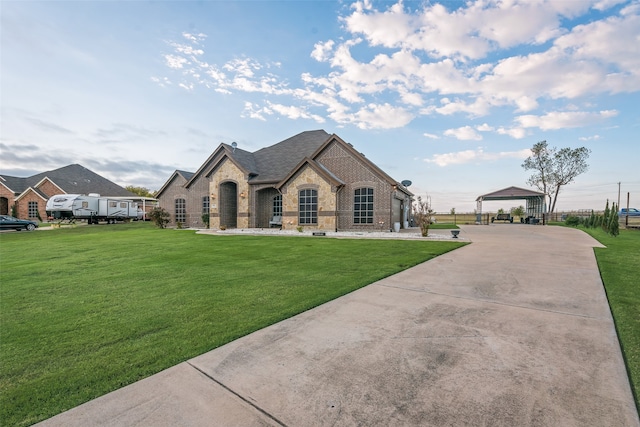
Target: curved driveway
{"points": [[512, 330]]}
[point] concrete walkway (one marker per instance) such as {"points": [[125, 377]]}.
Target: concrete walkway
{"points": [[512, 330]]}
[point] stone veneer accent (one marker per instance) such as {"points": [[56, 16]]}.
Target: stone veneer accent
{"points": [[305, 179], [228, 171]]}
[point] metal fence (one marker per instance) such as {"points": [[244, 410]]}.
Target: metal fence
{"points": [[485, 217]]}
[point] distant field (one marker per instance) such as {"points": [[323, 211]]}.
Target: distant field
{"points": [[470, 218], [87, 310], [466, 218]]}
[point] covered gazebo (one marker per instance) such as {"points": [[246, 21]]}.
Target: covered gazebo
{"points": [[535, 206]]}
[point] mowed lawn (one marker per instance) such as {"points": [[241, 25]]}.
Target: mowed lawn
{"points": [[90, 309], [619, 265]]}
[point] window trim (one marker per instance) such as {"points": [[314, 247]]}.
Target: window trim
{"points": [[180, 211], [32, 209], [363, 210], [276, 205], [206, 204], [308, 206]]}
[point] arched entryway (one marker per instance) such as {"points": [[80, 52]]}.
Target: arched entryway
{"points": [[268, 206], [228, 204]]}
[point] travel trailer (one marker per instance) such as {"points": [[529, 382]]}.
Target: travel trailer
{"points": [[92, 207]]}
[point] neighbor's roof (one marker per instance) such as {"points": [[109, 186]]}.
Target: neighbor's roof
{"points": [[75, 179], [510, 193]]}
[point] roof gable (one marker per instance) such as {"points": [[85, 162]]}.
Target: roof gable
{"points": [[241, 158], [510, 193], [29, 190], [317, 168], [274, 163], [360, 157], [177, 173]]}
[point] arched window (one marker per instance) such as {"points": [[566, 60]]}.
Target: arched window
{"points": [[181, 211], [308, 207], [363, 206]]}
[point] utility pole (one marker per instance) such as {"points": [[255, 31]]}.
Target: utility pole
{"points": [[619, 195], [626, 218]]}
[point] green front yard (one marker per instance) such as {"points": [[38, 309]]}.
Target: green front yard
{"points": [[87, 310], [619, 268]]}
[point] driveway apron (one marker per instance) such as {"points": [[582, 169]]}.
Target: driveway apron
{"points": [[511, 330]]}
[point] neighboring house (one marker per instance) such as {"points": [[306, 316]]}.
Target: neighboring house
{"points": [[313, 180], [29, 195]]}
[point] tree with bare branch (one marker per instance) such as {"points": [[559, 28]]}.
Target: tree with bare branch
{"points": [[555, 168]]}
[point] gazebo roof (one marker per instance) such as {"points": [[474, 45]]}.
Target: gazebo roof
{"points": [[510, 193]]}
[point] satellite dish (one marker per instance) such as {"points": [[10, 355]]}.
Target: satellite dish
{"points": [[406, 183]]}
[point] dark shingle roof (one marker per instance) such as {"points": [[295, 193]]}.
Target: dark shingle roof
{"points": [[269, 164], [245, 159], [186, 175], [17, 185], [73, 179], [275, 162]]}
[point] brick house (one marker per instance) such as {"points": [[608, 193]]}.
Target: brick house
{"points": [[313, 180], [29, 195]]}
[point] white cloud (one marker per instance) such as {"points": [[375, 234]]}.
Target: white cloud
{"points": [[431, 136], [321, 51], [186, 49], [255, 112], [564, 119], [293, 112], [444, 61], [475, 156], [465, 133], [514, 132], [174, 61], [484, 128], [383, 116], [194, 38]]}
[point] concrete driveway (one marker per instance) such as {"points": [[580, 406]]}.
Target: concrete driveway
{"points": [[512, 330]]}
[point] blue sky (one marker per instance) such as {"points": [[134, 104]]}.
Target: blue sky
{"points": [[450, 95]]}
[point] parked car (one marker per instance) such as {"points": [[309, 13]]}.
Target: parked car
{"points": [[10, 223], [631, 212]]}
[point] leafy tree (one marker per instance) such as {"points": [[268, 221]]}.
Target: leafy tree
{"points": [[452, 211], [140, 191], [605, 220], [160, 217], [555, 168], [422, 214], [614, 225], [519, 211]]}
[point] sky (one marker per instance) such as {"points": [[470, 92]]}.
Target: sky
{"points": [[450, 95]]}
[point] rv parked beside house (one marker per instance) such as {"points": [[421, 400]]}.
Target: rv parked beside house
{"points": [[27, 197], [312, 180], [92, 208]]}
